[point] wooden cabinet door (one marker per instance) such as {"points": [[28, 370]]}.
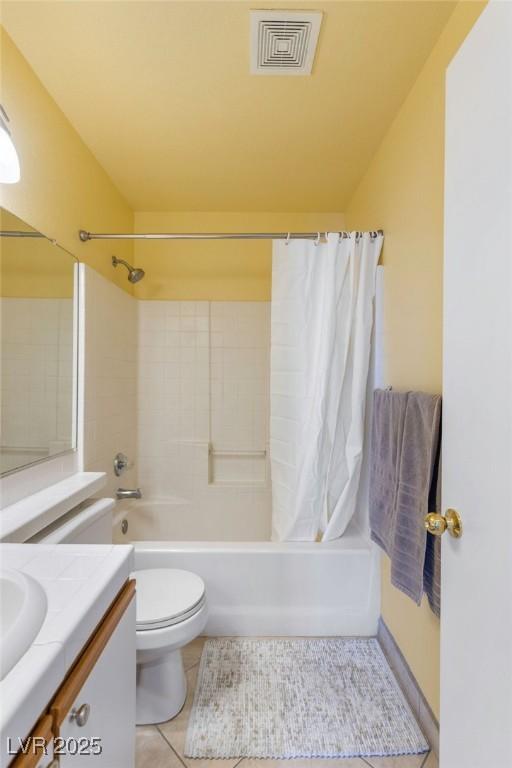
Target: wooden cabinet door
{"points": [[99, 729]]}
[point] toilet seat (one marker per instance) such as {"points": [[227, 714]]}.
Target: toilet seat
{"points": [[167, 596]]}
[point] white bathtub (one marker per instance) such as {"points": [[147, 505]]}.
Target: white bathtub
{"points": [[267, 588]]}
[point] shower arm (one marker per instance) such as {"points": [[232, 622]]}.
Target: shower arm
{"points": [[116, 261]]}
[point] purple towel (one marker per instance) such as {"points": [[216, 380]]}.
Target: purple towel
{"points": [[403, 470], [386, 450]]}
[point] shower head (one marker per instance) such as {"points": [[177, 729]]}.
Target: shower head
{"points": [[134, 274]]}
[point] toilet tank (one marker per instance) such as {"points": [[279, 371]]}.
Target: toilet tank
{"points": [[89, 523]]}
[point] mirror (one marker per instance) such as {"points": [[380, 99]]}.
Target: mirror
{"points": [[38, 375]]}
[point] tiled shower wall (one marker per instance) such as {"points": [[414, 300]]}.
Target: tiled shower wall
{"points": [[239, 391], [110, 402], [182, 389], [203, 414]]}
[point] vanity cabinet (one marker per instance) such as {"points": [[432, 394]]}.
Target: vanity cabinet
{"points": [[99, 727], [91, 719]]}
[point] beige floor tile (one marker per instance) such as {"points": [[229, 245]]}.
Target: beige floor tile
{"points": [[152, 750], [431, 761], [405, 761], [175, 730], [192, 652]]}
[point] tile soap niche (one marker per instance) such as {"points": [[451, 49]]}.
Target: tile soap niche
{"points": [[237, 467]]}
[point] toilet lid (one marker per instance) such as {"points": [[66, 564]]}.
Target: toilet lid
{"points": [[166, 596]]}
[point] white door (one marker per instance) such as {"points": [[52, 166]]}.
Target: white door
{"points": [[476, 623]]}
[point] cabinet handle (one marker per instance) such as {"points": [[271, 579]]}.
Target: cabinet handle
{"points": [[80, 714]]}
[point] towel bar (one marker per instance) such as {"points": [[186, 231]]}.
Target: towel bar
{"points": [[226, 452]]}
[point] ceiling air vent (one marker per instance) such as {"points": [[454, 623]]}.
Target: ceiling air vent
{"points": [[283, 42]]}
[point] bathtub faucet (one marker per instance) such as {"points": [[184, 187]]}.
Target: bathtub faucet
{"points": [[126, 493]]}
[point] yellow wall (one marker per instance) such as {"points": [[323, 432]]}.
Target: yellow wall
{"points": [[222, 270], [402, 192], [62, 187], [33, 268]]}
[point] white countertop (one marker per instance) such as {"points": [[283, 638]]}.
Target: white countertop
{"points": [[81, 581]]}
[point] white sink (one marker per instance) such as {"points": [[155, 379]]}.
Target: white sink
{"points": [[23, 606]]}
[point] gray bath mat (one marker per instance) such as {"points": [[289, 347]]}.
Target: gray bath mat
{"points": [[284, 698]]}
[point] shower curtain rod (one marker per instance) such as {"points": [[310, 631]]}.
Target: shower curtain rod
{"points": [[85, 236], [20, 233]]}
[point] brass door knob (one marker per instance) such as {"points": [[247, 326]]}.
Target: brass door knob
{"points": [[437, 524]]}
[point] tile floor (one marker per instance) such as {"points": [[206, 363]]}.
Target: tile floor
{"points": [[162, 746]]}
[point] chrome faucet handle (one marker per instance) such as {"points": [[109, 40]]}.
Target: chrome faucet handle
{"points": [[121, 464], [128, 493]]}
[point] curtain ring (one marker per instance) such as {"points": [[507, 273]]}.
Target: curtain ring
{"points": [[317, 241], [287, 241]]}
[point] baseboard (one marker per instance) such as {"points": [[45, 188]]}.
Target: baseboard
{"points": [[287, 621], [409, 685]]}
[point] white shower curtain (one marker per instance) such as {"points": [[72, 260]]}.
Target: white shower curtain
{"points": [[322, 317]]}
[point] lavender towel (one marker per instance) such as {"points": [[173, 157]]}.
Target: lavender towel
{"points": [[386, 450], [403, 467], [419, 451]]}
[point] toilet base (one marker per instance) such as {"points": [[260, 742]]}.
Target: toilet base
{"points": [[161, 688]]}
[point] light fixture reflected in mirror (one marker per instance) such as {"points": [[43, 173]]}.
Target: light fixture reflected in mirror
{"points": [[9, 162]]}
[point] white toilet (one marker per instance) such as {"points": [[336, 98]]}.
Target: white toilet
{"points": [[171, 612]]}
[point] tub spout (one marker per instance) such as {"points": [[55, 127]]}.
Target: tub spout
{"points": [[126, 493]]}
